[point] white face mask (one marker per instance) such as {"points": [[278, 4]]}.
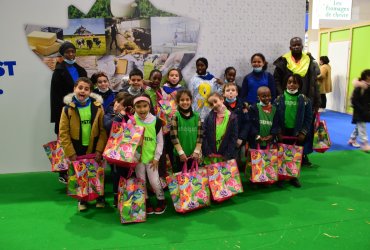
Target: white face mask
{"points": [[292, 92], [70, 62], [103, 91]]}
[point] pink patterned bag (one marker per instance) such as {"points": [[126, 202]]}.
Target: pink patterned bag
{"points": [[264, 165], [55, 153], [224, 180], [122, 144], [289, 160]]}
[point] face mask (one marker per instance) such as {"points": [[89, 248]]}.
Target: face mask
{"points": [[103, 91], [70, 62], [262, 104], [257, 70], [230, 100], [83, 101], [292, 92]]}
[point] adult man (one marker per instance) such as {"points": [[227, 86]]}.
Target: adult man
{"points": [[303, 64]]}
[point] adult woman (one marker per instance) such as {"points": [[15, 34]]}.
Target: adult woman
{"points": [[324, 80], [62, 82]]}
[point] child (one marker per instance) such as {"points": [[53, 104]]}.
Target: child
{"points": [[201, 86], [153, 90], [151, 151], [172, 85], [230, 74], [118, 112], [220, 131], [257, 78], [361, 110], [234, 104], [100, 79], [136, 82], [81, 128], [186, 131], [264, 126], [294, 115]]}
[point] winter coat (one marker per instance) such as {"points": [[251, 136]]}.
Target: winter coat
{"points": [[228, 145], [70, 127], [361, 104], [304, 114], [324, 79], [61, 85]]}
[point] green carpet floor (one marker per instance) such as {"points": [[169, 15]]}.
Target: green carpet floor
{"points": [[330, 211]]}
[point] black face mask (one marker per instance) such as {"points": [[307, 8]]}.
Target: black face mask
{"points": [[184, 110]]}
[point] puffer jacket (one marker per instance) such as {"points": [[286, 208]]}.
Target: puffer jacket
{"points": [[70, 127]]}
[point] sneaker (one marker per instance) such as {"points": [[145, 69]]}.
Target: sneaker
{"points": [[149, 207], [82, 206], [100, 202], [295, 182], [354, 143], [63, 178], [365, 147], [161, 207], [305, 161]]}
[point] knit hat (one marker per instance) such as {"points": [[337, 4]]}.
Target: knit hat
{"points": [[65, 46]]}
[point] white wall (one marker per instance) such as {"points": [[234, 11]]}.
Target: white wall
{"points": [[231, 31]]}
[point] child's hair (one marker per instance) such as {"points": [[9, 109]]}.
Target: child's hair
{"points": [[215, 94], [229, 84], [136, 72], [182, 92], [263, 59], [324, 59], [125, 98], [297, 78], [178, 71], [365, 74], [154, 71], [95, 76], [85, 79], [228, 69], [263, 88], [142, 97], [203, 60]]}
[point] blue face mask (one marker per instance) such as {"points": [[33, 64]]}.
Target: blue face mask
{"points": [[230, 100], [70, 62], [257, 69]]}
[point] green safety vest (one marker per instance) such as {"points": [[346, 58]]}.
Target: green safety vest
{"points": [[221, 130], [85, 118], [150, 140], [187, 132], [291, 107], [266, 120]]}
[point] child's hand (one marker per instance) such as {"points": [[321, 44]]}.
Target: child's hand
{"points": [[219, 81], [239, 143], [195, 156], [98, 157], [267, 138], [154, 165], [301, 138], [73, 157], [183, 158]]}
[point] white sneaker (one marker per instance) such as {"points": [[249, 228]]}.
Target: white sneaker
{"points": [[354, 143]]}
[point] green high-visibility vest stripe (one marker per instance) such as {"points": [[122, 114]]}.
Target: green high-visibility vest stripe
{"points": [[187, 132]]}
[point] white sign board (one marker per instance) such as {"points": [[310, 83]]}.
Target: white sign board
{"points": [[335, 9]]}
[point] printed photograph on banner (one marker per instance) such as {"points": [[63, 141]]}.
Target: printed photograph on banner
{"points": [[45, 41], [88, 35], [136, 9], [89, 63], [164, 62], [118, 68], [173, 34], [128, 37]]}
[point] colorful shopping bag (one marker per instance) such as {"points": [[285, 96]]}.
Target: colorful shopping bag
{"points": [[264, 165], [189, 189], [289, 160], [224, 180], [321, 139], [122, 144], [131, 200], [55, 153], [86, 178], [165, 111]]}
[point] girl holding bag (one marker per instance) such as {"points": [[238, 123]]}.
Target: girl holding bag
{"points": [[220, 131], [151, 151], [186, 131], [294, 116]]}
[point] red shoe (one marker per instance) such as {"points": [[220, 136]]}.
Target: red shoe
{"points": [[161, 207], [149, 207]]}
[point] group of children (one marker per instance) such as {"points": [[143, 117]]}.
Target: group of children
{"points": [[210, 122]]}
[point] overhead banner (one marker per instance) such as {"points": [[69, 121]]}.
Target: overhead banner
{"points": [[335, 9]]}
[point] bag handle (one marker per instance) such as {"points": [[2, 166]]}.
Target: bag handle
{"points": [[88, 156], [131, 170]]}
